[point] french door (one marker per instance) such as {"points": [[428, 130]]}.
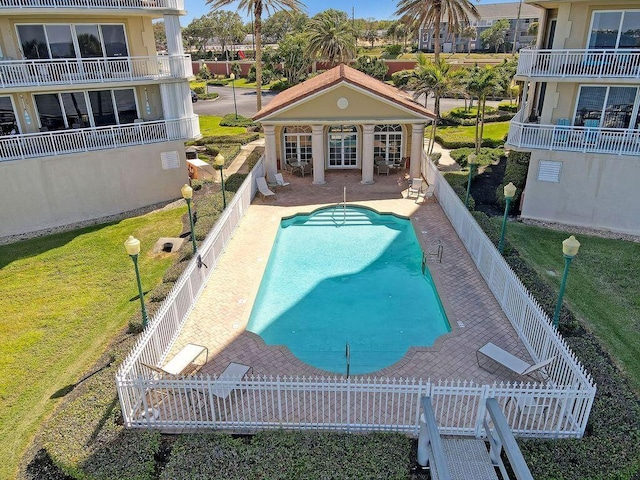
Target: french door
{"points": [[343, 146]]}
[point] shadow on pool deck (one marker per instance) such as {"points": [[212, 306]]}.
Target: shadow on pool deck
{"points": [[219, 319]]}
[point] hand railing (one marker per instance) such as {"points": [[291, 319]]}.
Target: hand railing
{"points": [[617, 63]]}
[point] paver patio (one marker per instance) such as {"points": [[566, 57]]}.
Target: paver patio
{"points": [[221, 314]]}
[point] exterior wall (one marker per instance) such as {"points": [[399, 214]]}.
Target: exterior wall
{"points": [[73, 188], [597, 191]]}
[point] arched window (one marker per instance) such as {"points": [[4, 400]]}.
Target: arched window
{"points": [[387, 143], [343, 146], [297, 144]]}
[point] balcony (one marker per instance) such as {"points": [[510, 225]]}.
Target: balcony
{"points": [[613, 141], [65, 5], [46, 144], [71, 71], [579, 64]]}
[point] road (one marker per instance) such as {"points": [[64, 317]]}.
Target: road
{"points": [[246, 102]]}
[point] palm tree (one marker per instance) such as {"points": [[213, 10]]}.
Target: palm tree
{"points": [[482, 83], [431, 13], [256, 7], [330, 39], [470, 33]]}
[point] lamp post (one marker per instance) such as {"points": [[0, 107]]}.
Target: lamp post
{"points": [[187, 194], [509, 192], [471, 161], [218, 161], [233, 87], [570, 248], [132, 246]]}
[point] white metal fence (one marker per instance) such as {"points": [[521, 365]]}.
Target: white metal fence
{"points": [[43, 144], [613, 63], [67, 71], [559, 408]]}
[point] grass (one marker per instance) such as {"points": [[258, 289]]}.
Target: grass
{"points": [[210, 126], [602, 288], [63, 298], [494, 131]]}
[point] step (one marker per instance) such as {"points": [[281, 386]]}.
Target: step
{"points": [[467, 459]]}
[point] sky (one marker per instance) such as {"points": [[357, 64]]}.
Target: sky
{"points": [[378, 9]]}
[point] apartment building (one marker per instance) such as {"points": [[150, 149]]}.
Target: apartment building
{"points": [[520, 16], [92, 120], [581, 115]]}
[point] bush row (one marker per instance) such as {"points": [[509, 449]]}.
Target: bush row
{"points": [[509, 107], [487, 156], [290, 456], [233, 120], [516, 173], [497, 116], [242, 138], [454, 144]]}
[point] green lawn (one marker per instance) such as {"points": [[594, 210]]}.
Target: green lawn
{"points": [[63, 297], [210, 126], [602, 287], [494, 131]]}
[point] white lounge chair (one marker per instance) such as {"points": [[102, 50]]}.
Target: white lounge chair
{"points": [[428, 193], [229, 379], [415, 188], [280, 182], [263, 188], [510, 361]]}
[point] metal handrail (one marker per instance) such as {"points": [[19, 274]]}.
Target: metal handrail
{"points": [[429, 435]]}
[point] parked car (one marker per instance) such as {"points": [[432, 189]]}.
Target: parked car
{"points": [[194, 96]]}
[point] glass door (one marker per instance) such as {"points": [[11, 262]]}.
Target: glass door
{"points": [[343, 146]]}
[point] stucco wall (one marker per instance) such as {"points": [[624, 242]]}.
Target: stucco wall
{"points": [[49, 192], [598, 191]]}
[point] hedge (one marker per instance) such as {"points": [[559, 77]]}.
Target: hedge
{"points": [[284, 455], [498, 116], [452, 145], [515, 172], [242, 138], [233, 120], [487, 156]]}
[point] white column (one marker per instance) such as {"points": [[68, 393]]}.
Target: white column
{"points": [[417, 146], [317, 151], [367, 154], [175, 49], [270, 158]]}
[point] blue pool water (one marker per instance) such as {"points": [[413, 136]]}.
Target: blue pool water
{"points": [[355, 277]]}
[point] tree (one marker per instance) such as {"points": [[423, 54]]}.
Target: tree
{"points": [[284, 22], [256, 8], [494, 36], [470, 33], [160, 36], [295, 60], [198, 33], [372, 66], [227, 27], [482, 83], [532, 31], [331, 37], [431, 13], [371, 35]]}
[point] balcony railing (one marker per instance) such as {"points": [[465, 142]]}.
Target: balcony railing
{"points": [[69, 71], [616, 141], [46, 144], [616, 63], [95, 4]]}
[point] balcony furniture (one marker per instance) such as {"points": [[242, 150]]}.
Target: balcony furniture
{"points": [[383, 169], [561, 134], [280, 182], [415, 188], [591, 131], [429, 193], [263, 188], [183, 363]]}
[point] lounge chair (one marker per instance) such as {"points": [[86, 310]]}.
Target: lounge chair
{"points": [[280, 181], [229, 379], [415, 188], [510, 361], [263, 188], [183, 363], [428, 193], [591, 132]]}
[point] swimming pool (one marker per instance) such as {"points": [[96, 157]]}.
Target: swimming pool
{"points": [[354, 276]]}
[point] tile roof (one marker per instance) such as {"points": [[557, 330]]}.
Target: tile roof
{"points": [[345, 74]]}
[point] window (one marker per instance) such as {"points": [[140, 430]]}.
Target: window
{"points": [[343, 146], [549, 171], [8, 120], [615, 29], [95, 108], [72, 41], [387, 143], [610, 107], [297, 144]]}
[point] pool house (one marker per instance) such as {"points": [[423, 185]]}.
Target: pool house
{"points": [[244, 385]]}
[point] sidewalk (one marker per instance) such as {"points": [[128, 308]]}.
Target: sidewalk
{"points": [[446, 163]]}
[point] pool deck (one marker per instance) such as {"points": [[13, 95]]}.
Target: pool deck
{"points": [[221, 314]]}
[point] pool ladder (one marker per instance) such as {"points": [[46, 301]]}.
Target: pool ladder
{"points": [[344, 208], [347, 354], [434, 250]]}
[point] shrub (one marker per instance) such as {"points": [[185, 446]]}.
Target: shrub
{"points": [[208, 96], [252, 159], [392, 51], [280, 85], [185, 253], [459, 116], [159, 293], [516, 173], [487, 156], [458, 183], [231, 120], [508, 107], [218, 82], [461, 112], [199, 90], [267, 75], [232, 184], [173, 273], [401, 79], [242, 138], [204, 226], [487, 142], [204, 73]]}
